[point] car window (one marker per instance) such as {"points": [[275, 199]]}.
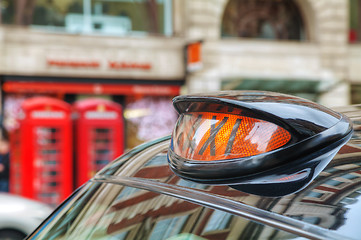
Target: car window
{"points": [[108, 211], [328, 203]]}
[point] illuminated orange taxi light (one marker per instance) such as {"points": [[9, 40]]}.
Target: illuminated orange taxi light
{"points": [[207, 136]]}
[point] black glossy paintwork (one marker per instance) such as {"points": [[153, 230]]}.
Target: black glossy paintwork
{"points": [[316, 133], [300, 116]]}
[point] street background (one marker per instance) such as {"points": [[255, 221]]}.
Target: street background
{"points": [[137, 55]]}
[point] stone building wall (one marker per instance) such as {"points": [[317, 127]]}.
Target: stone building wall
{"points": [[324, 57], [26, 52]]}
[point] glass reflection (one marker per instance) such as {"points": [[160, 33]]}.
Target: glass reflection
{"points": [[208, 136], [110, 211]]}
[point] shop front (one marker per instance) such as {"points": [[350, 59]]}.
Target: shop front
{"points": [[140, 74], [142, 103]]}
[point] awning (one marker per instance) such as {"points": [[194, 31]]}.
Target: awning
{"points": [[91, 88]]}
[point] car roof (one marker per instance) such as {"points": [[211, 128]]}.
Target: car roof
{"points": [[328, 203]]}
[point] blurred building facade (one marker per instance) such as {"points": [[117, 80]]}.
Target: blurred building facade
{"points": [[133, 52], [78, 49], [309, 48]]}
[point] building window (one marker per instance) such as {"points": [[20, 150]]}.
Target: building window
{"points": [[333, 182], [166, 228], [218, 221], [110, 17], [264, 19], [355, 21], [315, 194], [350, 176], [312, 220], [331, 170]]}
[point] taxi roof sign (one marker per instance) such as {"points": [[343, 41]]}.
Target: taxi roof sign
{"points": [[264, 139]]}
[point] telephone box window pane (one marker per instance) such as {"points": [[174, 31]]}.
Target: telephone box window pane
{"points": [[101, 146], [47, 164]]}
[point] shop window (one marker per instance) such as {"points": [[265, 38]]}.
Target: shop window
{"points": [[355, 21], [113, 17], [148, 118], [12, 108], [263, 19]]}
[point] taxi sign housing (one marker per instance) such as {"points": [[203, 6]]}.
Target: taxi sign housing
{"points": [[304, 137]]}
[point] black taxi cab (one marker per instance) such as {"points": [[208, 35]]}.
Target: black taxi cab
{"points": [[239, 165]]}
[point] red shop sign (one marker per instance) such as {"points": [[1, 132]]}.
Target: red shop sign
{"points": [[73, 64], [125, 65], [117, 65]]}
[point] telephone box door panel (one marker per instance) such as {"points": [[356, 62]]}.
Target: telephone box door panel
{"points": [[99, 136], [45, 144]]}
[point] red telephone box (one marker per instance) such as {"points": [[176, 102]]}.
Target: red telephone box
{"points": [[41, 151], [99, 136]]}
